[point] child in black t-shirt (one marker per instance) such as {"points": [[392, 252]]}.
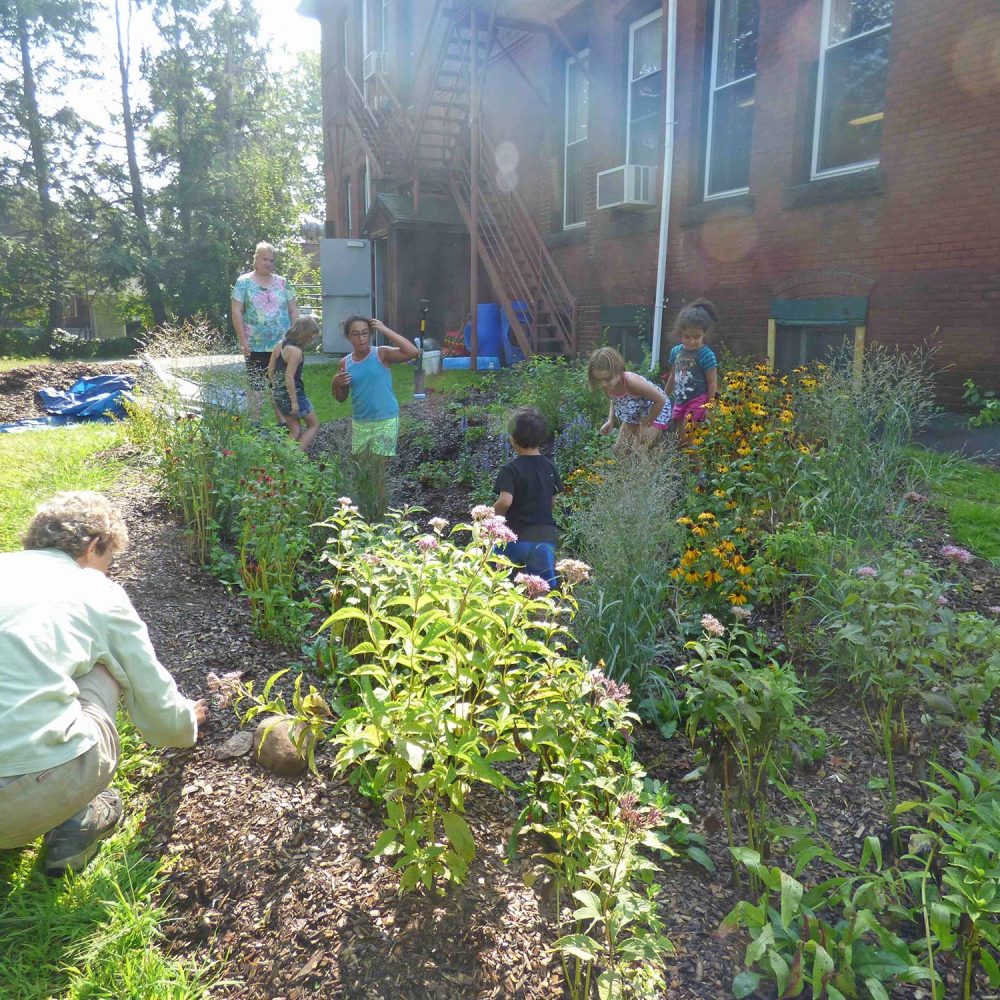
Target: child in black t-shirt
{"points": [[525, 487]]}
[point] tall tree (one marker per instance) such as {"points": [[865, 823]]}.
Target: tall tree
{"points": [[29, 27], [150, 279], [226, 137]]}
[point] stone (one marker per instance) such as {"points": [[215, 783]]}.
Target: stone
{"points": [[274, 748]]}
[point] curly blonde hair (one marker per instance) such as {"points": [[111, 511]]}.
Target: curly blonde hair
{"points": [[70, 521]]}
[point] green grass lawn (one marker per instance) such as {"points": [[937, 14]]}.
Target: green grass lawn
{"points": [[37, 464], [96, 935], [969, 492], [7, 363]]}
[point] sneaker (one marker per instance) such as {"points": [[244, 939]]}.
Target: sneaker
{"points": [[73, 843]]}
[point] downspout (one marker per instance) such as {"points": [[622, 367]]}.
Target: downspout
{"points": [[668, 172]]}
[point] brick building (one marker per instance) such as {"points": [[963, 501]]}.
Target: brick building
{"points": [[830, 167]]}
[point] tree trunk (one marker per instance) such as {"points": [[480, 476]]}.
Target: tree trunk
{"points": [[40, 162], [149, 279]]}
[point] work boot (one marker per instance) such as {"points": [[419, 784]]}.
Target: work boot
{"points": [[73, 843]]}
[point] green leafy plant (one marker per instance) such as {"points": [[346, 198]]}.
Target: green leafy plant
{"points": [[985, 402], [742, 710], [959, 849], [831, 937], [888, 638]]}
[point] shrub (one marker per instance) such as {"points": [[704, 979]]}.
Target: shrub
{"points": [[554, 386]]}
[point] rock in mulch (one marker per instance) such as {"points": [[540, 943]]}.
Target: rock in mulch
{"points": [[279, 747]]}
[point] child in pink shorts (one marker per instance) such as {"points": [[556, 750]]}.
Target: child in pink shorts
{"points": [[694, 373]]}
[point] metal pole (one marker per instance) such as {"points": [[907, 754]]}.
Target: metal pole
{"points": [[474, 189]]}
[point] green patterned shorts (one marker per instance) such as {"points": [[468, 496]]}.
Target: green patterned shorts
{"points": [[377, 436]]}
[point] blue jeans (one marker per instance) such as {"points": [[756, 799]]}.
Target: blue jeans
{"points": [[538, 558]]}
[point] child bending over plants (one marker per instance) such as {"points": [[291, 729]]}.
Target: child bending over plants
{"points": [[639, 407], [284, 372], [525, 487], [693, 379]]}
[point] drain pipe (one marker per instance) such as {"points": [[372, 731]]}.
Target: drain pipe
{"points": [[668, 172]]}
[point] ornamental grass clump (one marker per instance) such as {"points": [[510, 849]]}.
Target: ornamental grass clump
{"points": [[614, 521]]}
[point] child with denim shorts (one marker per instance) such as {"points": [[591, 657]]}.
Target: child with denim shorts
{"points": [[284, 372], [693, 379], [525, 488]]}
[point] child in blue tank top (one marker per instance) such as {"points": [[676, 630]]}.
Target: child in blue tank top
{"points": [[364, 376]]}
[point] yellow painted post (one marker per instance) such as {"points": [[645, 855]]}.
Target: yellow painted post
{"points": [[772, 338], [859, 352]]}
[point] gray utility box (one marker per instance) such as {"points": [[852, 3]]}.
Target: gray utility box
{"points": [[346, 276]]}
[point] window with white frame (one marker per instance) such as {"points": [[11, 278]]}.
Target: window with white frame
{"points": [[850, 98], [645, 89], [731, 97], [575, 151]]}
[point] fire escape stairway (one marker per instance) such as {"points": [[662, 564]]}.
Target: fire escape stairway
{"points": [[539, 307], [380, 124]]}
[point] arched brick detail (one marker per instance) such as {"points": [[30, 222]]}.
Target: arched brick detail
{"points": [[826, 281]]}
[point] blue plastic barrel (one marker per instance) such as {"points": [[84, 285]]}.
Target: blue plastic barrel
{"points": [[487, 329], [512, 353]]}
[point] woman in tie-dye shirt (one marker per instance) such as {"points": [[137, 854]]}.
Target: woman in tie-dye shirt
{"points": [[264, 308]]}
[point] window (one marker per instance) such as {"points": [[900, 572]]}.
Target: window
{"points": [[576, 116], [346, 208], [384, 27], [645, 90], [801, 345], [368, 185], [850, 98], [731, 97]]}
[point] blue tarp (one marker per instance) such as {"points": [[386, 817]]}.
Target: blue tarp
{"points": [[97, 398]]}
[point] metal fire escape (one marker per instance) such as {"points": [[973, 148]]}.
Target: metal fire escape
{"points": [[437, 144]]}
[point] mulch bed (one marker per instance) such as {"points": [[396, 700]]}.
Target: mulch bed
{"points": [[272, 879]]}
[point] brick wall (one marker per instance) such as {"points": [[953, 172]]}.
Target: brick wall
{"points": [[925, 246]]}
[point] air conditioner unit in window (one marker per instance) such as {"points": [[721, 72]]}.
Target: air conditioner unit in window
{"points": [[628, 186], [376, 62]]}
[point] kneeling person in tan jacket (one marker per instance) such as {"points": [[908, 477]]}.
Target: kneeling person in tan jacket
{"points": [[71, 645]]}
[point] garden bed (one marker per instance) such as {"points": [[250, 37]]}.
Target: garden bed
{"points": [[272, 879]]}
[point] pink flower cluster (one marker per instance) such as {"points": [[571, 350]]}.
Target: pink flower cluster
{"points": [[438, 523], [427, 543], [534, 585], [480, 512], [494, 528], [608, 689], [712, 625], [224, 688], [628, 809], [869, 572], [956, 554]]}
